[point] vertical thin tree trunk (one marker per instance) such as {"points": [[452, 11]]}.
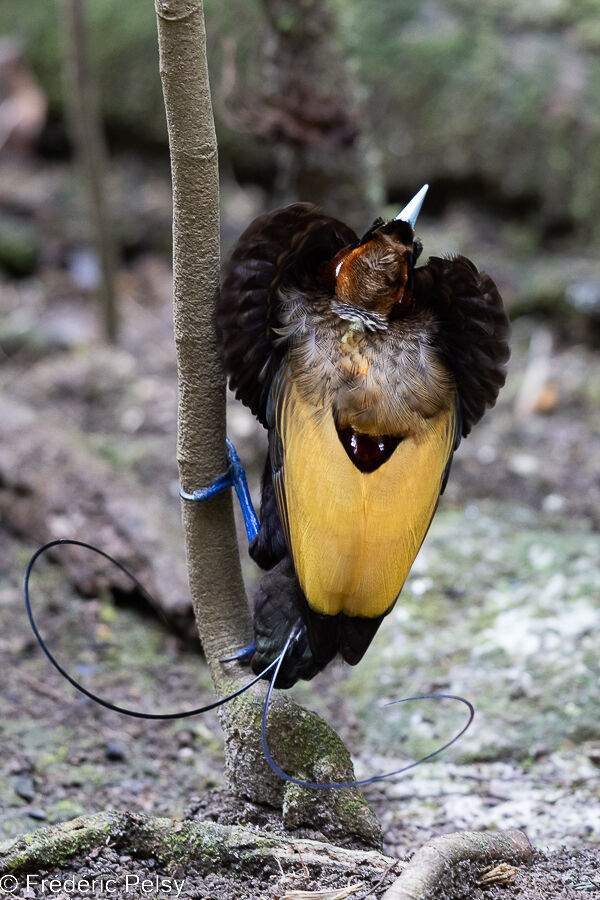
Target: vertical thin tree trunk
{"points": [[213, 560], [301, 741], [86, 133]]}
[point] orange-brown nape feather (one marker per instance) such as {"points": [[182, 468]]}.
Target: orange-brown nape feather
{"points": [[374, 275]]}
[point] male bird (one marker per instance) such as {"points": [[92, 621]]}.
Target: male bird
{"points": [[366, 371]]}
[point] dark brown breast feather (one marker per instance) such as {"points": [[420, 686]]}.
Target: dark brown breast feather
{"points": [[285, 247], [473, 330]]}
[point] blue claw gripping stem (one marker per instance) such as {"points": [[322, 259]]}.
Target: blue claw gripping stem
{"points": [[233, 477]]}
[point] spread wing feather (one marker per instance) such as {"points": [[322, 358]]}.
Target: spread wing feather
{"points": [[473, 330], [287, 246]]}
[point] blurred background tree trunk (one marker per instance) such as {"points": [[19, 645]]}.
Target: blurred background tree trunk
{"points": [[308, 106], [313, 111], [85, 130]]}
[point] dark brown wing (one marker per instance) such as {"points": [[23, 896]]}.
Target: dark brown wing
{"points": [[473, 330], [285, 247]]}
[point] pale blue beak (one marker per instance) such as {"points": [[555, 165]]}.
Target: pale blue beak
{"points": [[412, 209]]}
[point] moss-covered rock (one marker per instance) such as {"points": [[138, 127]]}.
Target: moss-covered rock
{"points": [[305, 747]]}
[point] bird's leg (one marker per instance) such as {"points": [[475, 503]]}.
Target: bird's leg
{"points": [[280, 610], [243, 655], [277, 615], [234, 477], [268, 547]]}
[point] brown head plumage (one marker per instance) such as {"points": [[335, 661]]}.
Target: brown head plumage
{"points": [[374, 275]]}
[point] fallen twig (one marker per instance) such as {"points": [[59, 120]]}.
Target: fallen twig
{"points": [[444, 863], [45, 690]]}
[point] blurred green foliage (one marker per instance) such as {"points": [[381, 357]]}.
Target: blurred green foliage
{"points": [[122, 38], [19, 246], [498, 92], [501, 92]]}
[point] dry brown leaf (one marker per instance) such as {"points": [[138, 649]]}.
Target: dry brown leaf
{"points": [[501, 874]]}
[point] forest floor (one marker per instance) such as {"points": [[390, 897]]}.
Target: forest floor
{"points": [[502, 605]]}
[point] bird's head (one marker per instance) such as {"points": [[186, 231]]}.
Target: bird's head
{"points": [[374, 275]]}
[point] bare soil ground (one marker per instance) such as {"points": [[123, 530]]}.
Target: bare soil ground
{"points": [[564, 875]]}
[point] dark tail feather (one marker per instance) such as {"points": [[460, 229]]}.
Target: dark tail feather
{"points": [[348, 635], [355, 635], [279, 605]]}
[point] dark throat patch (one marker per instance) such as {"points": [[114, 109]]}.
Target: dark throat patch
{"points": [[367, 452]]}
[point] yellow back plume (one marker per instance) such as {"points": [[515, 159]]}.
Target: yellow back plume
{"points": [[354, 535]]}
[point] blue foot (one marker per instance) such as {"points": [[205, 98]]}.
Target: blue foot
{"points": [[234, 477], [244, 655]]}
